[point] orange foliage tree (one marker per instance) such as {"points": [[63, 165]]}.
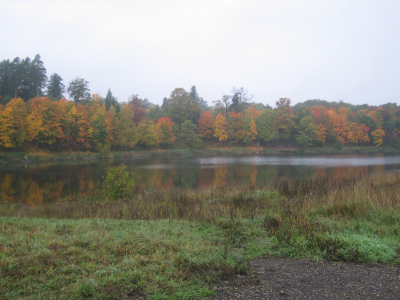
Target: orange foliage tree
{"points": [[253, 112], [339, 123], [164, 130], [362, 134], [321, 134], [236, 130], [206, 125]]}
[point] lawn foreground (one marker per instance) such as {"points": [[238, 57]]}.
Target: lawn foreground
{"points": [[176, 244]]}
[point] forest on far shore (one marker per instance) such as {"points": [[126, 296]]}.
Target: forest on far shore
{"points": [[34, 113]]}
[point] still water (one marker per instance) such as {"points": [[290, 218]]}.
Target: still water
{"points": [[40, 183]]}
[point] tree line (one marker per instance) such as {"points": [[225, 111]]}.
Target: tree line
{"points": [[34, 113]]}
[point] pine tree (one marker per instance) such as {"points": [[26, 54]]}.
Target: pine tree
{"points": [[38, 73], [111, 100], [55, 87]]}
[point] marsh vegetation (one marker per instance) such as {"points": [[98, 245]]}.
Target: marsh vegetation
{"points": [[179, 242]]}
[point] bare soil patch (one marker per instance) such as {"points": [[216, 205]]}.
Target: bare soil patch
{"points": [[285, 278]]}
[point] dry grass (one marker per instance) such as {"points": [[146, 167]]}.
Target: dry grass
{"points": [[345, 197]]}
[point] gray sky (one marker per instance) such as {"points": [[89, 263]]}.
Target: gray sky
{"points": [[333, 50]]}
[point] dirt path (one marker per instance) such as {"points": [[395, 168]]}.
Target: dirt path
{"points": [[284, 278]]}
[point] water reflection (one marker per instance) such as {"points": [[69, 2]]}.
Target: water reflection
{"points": [[35, 184]]}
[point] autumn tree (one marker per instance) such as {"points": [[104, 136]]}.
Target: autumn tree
{"points": [[266, 127], [325, 132], [164, 130], [352, 132], [377, 137], [252, 132], [109, 123], [253, 112], [236, 130], [82, 127], [147, 133], [189, 134], [220, 128], [206, 125], [75, 123], [52, 120], [339, 123], [137, 107], [362, 134], [126, 131], [12, 124], [181, 107], [321, 134], [78, 89], [284, 118], [307, 132], [98, 132], [6, 130]]}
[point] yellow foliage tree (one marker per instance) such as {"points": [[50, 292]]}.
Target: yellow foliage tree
{"points": [[126, 132], [377, 137], [220, 126]]}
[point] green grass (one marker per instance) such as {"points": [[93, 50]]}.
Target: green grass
{"points": [[72, 259], [176, 244]]}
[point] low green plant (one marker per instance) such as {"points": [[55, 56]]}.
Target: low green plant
{"points": [[118, 184], [104, 150], [338, 145]]}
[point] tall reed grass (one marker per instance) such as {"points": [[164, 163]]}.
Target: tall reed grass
{"points": [[355, 196]]}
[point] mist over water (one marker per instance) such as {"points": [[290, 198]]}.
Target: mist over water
{"points": [[40, 183]]}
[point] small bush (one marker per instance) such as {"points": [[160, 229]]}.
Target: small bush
{"points": [[338, 145], [104, 151], [118, 184]]}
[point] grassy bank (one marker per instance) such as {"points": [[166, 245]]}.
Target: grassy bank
{"points": [[177, 243]]}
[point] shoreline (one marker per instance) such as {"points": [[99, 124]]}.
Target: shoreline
{"points": [[7, 159]]}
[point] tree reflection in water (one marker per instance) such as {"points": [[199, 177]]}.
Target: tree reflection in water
{"points": [[36, 184]]}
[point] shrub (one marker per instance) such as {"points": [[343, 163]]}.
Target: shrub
{"points": [[104, 151], [118, 184], [338, 145]]}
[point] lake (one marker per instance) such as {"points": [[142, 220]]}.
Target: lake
{"points": [[41, 183]]}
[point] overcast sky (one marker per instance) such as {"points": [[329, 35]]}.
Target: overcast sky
{"points": [[333, 50]]}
